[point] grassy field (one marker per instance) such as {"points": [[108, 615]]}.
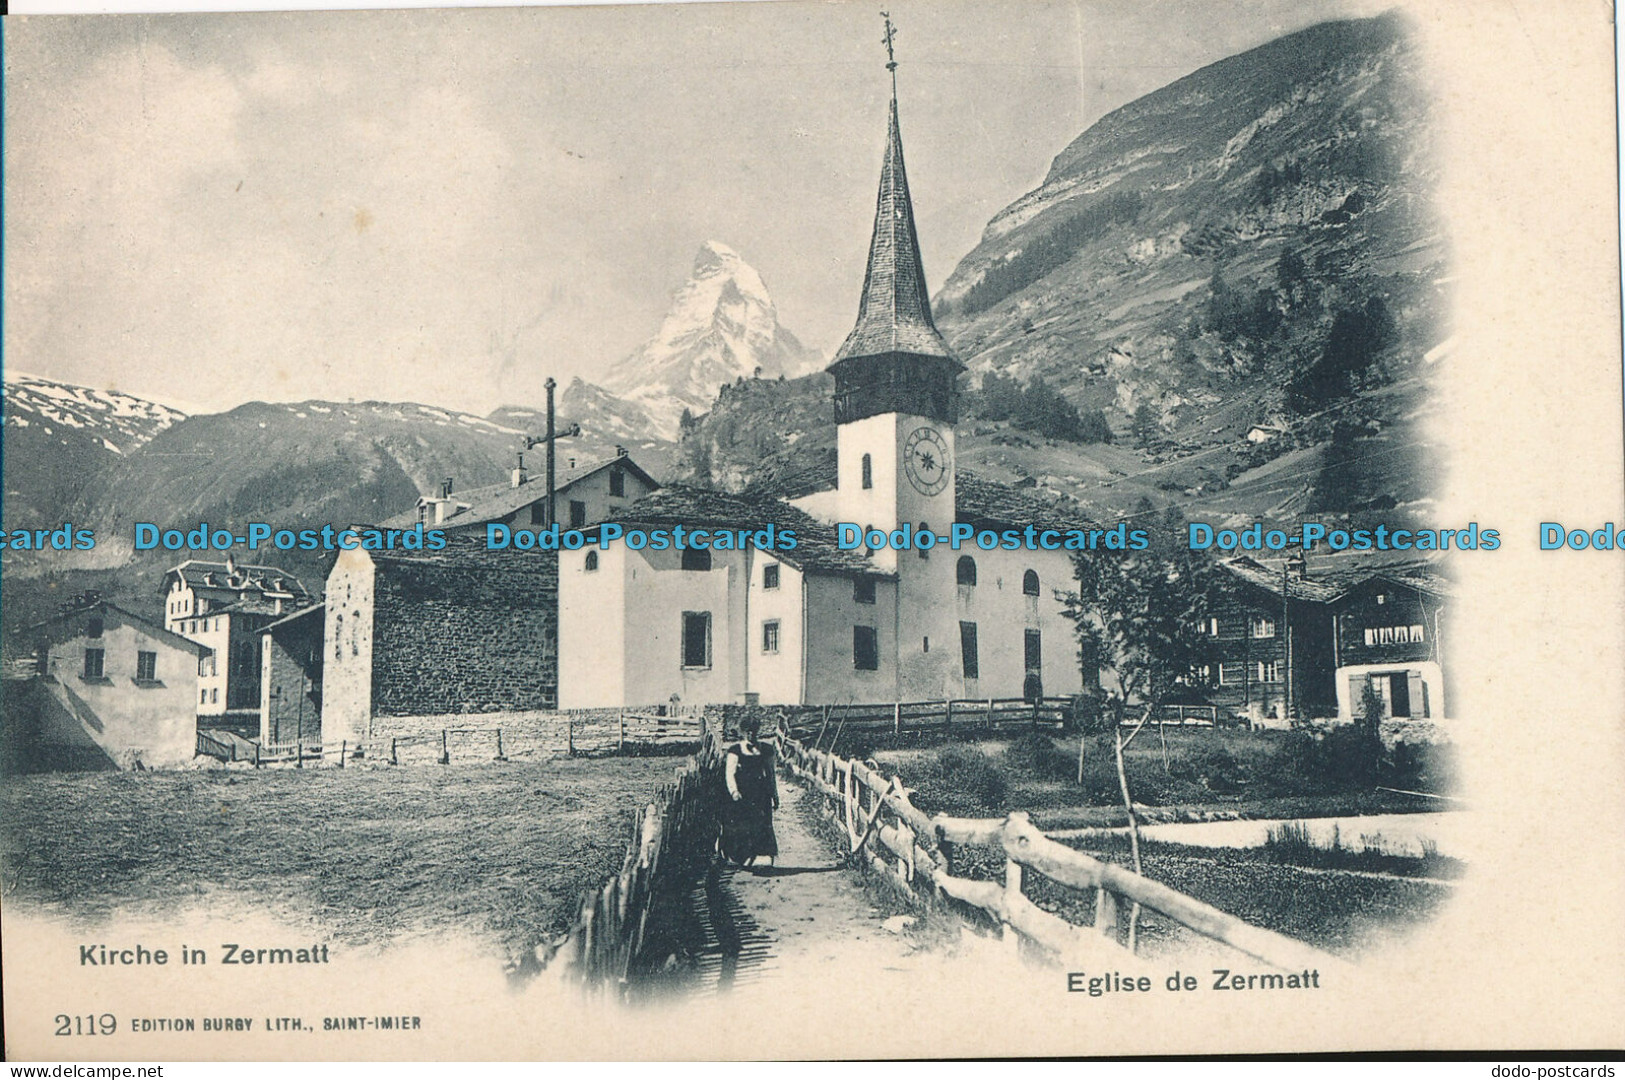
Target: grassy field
{"points": [[1197, 771], [501, 852]]}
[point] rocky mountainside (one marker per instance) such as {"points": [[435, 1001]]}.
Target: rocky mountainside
{"points": [[60, 437], [1240, 270], [722, 326]]}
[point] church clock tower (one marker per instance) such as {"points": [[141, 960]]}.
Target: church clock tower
{"points": [[895, 401]]}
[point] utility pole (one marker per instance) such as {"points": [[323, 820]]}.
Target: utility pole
{"points": [[552, 436]]}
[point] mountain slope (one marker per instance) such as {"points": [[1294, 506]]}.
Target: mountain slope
{"points": [[1250, 245], [722, 326], [59, 436]]}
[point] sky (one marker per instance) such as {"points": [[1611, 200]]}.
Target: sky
{"points": [[450, 206]]}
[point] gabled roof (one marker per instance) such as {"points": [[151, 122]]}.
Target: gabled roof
{"points": [[295, 617], [894, 313], [197, 574], [993, 505], [493, 502], [816, 550], [1255, 573], [153, 629]]}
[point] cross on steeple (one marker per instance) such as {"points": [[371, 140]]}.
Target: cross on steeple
{"points": [[891, 35]]}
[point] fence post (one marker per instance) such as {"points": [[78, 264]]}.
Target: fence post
{"points": [[948, 712], [1012, 890], [570, 735], [897, 718], [393, 760], [445, 748], [256, 755], [990, 714], [620, 730], [500, 755], [1106, 914], [344, 747]]}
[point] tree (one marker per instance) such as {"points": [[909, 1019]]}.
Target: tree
{"points": [[1145, 427], [1138, 616]]}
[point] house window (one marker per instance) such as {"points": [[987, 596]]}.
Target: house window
{"points": [[578, 513], [590, 563], [863, 590], [1269, 671], [770, 636], [696, 558], [770, 576], [202, 697], [1034, 650], [965, 573], [696, 639], [146, 666], [1029, 583], [1382, 598], [93, 628], [1261, 627], [617, 482], [1231, 673], [922, 550], [1416, 634], [865, 648], [967, 651], [538, 512], [868, 473], [1208, 626], [214, 696], [94, 659]]}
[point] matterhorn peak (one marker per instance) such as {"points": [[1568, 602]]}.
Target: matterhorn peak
{"points": [[722, 326]]}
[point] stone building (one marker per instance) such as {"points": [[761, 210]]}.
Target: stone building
{"points": [[291, 658], [461, 630]]}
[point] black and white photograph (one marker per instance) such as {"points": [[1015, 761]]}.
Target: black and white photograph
{"points": [[965, 529]]}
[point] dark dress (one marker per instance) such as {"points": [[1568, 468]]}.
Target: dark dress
{"points": [[747, 823]]}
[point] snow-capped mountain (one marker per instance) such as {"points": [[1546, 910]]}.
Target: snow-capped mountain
{"points": [[722, 326], [67, 413]]}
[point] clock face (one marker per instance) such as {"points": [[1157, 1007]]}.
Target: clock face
{"points": [[925, 461]]}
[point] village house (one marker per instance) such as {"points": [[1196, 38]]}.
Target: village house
{"points": [[1387, 636], [291, 678], [224, 605], [110, 689], [461, 630], [1271, 638], [584, 492], [818, 624]]}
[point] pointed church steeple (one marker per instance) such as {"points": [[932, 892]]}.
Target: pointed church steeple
{"points": [[894, 360]]}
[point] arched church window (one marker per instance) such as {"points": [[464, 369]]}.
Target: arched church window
{"points": [[1029, 583], [966, 571], [868, 473], [591, 562]]}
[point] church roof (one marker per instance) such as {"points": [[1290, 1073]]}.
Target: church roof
{"points": [[894, 314], [816, 549], [493, 502]]}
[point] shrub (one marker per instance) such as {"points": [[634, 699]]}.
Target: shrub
{"points": [[959, 779], [1035, 754]]}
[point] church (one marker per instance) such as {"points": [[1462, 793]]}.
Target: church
{"points": [[821, 624]]}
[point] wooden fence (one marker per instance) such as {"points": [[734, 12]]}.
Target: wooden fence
{"points": [[670, 837], [916, 855], [823, 722]]}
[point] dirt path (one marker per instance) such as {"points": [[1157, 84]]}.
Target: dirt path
{"points": [[782, 923]]}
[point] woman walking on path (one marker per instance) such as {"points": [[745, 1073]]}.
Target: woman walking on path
{"points": [[753, 795]]}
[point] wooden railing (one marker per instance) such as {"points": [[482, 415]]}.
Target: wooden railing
{"points": [[918, 859], [670, 836], [1182, 715], [821, 722]]}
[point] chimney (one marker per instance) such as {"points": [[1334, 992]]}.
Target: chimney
{"points": [[572, 463], [620, 451], [445, 489], [519, 475]]}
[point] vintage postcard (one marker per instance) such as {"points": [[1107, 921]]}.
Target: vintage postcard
{"points": [[793, 530]]}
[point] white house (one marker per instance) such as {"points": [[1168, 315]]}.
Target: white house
{"points": [[819, 624]]}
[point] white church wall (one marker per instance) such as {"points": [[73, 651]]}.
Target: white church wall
{"points": [[658, 593], [832, 612], [592, 628], [775, 676]]}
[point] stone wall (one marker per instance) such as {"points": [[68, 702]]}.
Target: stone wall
{"points": [[470, 634], [530, 734]]}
